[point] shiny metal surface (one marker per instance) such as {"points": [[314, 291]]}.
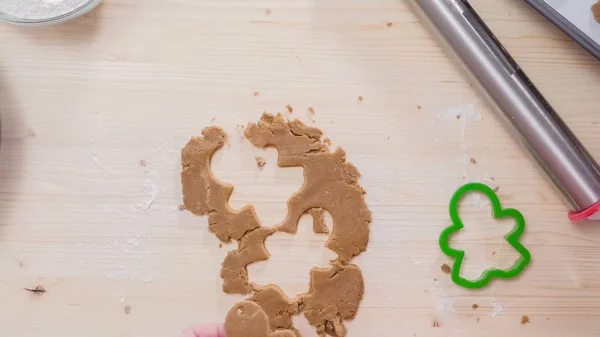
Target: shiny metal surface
{"points": [[514, 97]]}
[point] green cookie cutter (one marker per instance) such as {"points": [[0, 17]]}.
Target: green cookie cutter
{"points": [[512, 238]]}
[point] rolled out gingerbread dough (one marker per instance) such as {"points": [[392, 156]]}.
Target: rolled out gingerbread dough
{"points": [[204, 194], [331, 184], [248, 319], [278, 307], [334, 296]]}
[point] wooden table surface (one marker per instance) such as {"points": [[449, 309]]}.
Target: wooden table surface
{"points": [[96, 111]]}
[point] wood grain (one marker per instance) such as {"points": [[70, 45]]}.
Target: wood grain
{"points": [[95, 112]]}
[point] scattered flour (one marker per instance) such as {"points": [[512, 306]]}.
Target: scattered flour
{"points": [[151, 189], [96, 160], [124, 257], [445, 304], [419, 261], [477, 200], [39, 9], [463, 159], [440, 295], [464, 113], [453, 120], [498, 307]]}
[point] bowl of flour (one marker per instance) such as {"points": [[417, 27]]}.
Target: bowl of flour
{"points": [[43, 12]]}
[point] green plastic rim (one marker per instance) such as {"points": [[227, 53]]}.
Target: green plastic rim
{"points": [[512, 238]]}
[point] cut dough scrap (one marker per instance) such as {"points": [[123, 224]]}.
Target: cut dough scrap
{"points": [[204, 194], [330, 182], [247, 319], [319, 225], [251, 248], [278, 307], [334, 296]]}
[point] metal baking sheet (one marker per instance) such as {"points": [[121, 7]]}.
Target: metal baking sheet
{"points": [[574, 17]]}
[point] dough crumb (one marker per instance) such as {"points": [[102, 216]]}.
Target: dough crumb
{"points": [[496, 188], [260, 162], [478, 319], [181, 207], [418, 107], [475, 306], [220, 245], [524, 320], [289, 108], [473, 161], [493, 253], [127, 309], [457, 116], [213, 119], [268, 11], [319, 225], [256, 94], [311, 111], [389, 24], [360, 99], [436, 324], [143, 163], [446, 268], [596, 11]]}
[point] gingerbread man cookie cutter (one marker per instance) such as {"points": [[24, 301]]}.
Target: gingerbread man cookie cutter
{"points": [[512, 238]]}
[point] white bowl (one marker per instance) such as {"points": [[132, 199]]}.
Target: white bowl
{"points": [[81, 10]]}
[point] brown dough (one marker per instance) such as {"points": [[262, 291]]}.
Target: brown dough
{"points": [[278, 307], [334, 296], [330, 182], [319, 225], [204, 194], [247, 319], [260, 162], [596, 11], [251, 248]]}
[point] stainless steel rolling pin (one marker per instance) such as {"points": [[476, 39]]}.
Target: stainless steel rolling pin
{"points": [[512, 95]]}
